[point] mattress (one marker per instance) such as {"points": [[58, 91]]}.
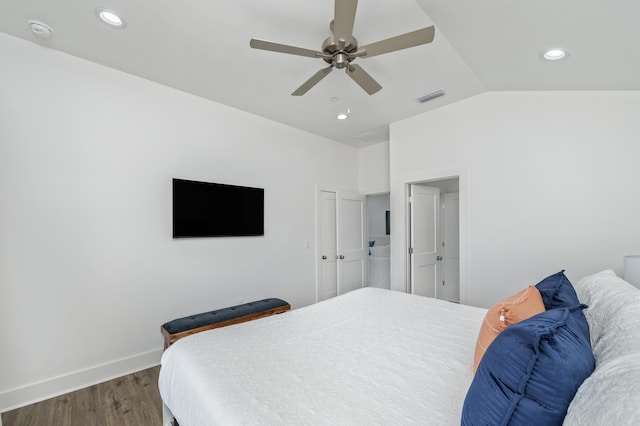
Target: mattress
{"points": [[371, 356]]}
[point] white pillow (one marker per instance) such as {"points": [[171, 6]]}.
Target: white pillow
{"points": [[611, 395], [613, 314]]}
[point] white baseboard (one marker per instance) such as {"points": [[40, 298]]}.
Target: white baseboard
{"points": [[60, 385]]}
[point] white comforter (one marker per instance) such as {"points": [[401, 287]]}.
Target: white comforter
{"points": [[371, 356]]}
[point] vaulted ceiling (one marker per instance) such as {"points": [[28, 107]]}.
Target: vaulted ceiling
{"points": [[202, 47]]}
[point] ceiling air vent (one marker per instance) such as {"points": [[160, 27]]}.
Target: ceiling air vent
{"points": [[370, 137], [430, 96]]}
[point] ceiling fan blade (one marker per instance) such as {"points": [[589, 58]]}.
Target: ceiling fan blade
{"points": [[345, 15], [363, 79], [315, 79], [284, 48], [414, 38]]}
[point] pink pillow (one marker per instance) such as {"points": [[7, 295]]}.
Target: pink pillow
{"points": [[522, 305]]}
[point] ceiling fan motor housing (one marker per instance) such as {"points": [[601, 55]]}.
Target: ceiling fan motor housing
{"points": [[337, 57]]}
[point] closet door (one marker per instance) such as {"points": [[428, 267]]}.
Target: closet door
{"points": [[424, 250], [328, 247], [450, 287], [341, 244], [351, 244]]}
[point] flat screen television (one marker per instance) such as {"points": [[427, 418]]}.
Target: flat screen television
{"points": [[204, 209]]}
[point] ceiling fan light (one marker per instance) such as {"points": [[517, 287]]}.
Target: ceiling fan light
{"points": [[555, 54]]}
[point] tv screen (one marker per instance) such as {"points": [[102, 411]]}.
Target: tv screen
{"points": [[204, 209]]}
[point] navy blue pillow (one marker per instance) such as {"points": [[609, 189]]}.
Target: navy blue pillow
{"points": [[557, 291], [531, 371]]}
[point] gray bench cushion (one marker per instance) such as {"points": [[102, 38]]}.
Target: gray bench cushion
{"points": [[225, 314]]}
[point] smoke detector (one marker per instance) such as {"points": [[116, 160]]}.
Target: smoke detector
{"points": [[40, 29]]}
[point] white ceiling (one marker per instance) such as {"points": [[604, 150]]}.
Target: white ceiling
{"points": [[202, 47]]}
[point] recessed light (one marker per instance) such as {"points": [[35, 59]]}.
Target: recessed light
{"points": [[110, 18], [555, 54], [344, 115]]}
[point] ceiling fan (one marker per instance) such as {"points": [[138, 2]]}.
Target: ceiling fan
{"points": [[341, 48]]}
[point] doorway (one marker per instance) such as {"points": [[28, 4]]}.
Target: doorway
{"points": [[434, 239], [379, 238]]}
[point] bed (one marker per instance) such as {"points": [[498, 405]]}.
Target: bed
{"points": [[375, 356]]}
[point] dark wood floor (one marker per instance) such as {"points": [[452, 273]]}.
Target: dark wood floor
{"points": [[131, 400]]}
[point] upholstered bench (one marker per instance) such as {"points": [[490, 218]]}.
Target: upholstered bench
{"points": [[181, 327]]}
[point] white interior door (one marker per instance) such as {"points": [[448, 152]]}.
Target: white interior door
{"points": [[450, 285], [424, 239], [327, 243], [341, 243], [351, 243]]}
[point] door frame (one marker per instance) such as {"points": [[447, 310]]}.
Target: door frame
{"points": [[400, 221]]}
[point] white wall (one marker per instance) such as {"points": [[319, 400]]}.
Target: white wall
{"points": [[88, 268], [551, 180], [373, 163]]}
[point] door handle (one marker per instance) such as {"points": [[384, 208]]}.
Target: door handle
{"points": [[439, 258], [341, 257], [324, 257]]}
